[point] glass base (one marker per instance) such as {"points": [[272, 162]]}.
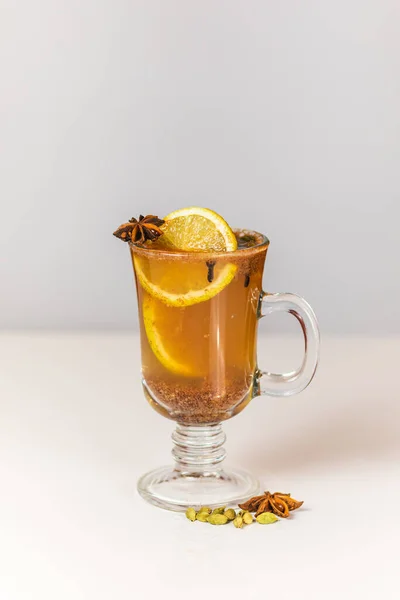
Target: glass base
{"points": [[169, 488], [198, 478]]}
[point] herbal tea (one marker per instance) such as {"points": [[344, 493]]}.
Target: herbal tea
{"points": [[199, 352]]}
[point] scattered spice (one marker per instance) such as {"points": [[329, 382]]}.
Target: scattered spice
{"points": [[238, 522], [202, 516], [139, 231], [267, 508], [246, 280], [230, 513], [217, 519], [247, 518], [278, 503], [266, 518], [191, 514], [205, 509], [219, 511]]}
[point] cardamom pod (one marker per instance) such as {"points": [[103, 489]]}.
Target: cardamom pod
{"points": [[247, 518], [202, 516], [238, 522], [217, 519], [266, 518], [191, 514], [205, 509], [219, 511], [230, 514]]}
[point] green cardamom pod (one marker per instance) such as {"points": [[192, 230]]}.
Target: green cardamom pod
{"points": [[191, 514], [230, 513], [267, 518], [202, 516], [247, 518], [219, 511], [238, 522], [217, 519], [205, 509]]}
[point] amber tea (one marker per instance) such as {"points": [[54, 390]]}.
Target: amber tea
{"points": [[199, 360]]}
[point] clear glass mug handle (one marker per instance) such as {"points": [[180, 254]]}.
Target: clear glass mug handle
{"points": [[288, 384]]}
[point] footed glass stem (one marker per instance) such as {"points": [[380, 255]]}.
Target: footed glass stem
{"points": [[198, 478]]}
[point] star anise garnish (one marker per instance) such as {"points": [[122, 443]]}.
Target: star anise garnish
{"points": [[278, 503], [139, 231]]}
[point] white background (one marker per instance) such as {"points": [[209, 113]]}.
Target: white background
{"points": [[283, 116]]}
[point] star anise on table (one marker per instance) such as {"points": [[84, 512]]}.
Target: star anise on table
{"points": [[139, 231], [278, 503]]}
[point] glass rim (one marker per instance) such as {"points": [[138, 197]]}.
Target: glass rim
{"points": [[262, 243]]}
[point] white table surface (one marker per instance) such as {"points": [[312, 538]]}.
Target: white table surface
{"points": [[76, 433]]}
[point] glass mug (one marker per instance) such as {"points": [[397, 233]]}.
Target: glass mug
{"points": [[199, 363]]}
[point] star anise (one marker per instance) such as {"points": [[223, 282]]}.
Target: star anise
{"points": [[278, 503], [138, 231]]}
